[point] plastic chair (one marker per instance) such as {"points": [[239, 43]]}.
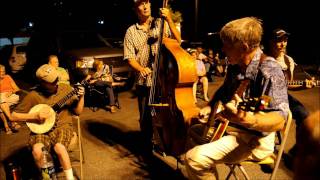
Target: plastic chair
{"points": [[271, 160]]}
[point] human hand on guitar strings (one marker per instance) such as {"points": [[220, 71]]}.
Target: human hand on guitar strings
{"points": [[144, 72], [43, 114], [236, 115], [310, 83], [204, 114]]}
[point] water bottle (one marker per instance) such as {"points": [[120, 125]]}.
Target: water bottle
{"points": [[47, 166], [15, 172]]}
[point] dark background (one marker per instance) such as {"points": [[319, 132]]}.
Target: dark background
{"points": [[300, 18]]}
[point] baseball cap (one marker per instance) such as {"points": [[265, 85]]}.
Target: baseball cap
{"points": [[279, 33], [47, 73], [136, 2]]}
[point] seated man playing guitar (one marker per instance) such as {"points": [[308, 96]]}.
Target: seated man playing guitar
{"points": [[277, 48], [102, 78], [65, 101], [250, 74]]}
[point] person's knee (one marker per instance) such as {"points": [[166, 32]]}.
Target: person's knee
{"points": [[205, 80], [196, 161], [60, 149], [37, 150]]}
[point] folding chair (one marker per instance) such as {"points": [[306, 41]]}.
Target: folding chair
{"points": [[271, 160], [76, 146]]}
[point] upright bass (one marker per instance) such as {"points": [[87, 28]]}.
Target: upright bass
{"points": [[171, 98]]}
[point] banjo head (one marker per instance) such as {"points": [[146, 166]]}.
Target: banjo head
{"points": [[46, 125]]}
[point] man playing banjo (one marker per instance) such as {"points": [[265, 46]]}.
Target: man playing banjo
{"points": [[48, 94]]}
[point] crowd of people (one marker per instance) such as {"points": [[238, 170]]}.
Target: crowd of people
{"points": [[257, 72]]}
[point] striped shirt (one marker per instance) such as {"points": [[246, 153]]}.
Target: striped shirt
{"points": [[136, 47]]}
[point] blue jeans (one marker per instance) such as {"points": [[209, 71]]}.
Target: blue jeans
{"points": [[299, 112], [107, 86]]}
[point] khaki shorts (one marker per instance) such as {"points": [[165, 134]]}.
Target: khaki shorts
{"points": [[11, 99]]}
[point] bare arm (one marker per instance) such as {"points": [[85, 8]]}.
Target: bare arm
{"points": [[164, 12], [38, 116], [24, 117], [79, 107], [144, 71], [14, 86]]}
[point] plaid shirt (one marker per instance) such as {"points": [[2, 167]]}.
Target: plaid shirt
{"points": [[136, 47]]}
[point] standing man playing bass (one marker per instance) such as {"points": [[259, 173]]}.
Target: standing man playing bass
{"points": [[241, 41], [140, 48], [49, 93]]}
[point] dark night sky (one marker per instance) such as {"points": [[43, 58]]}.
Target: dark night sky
{"points": [[300, 19]]}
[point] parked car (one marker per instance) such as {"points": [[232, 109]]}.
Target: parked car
{"points": [[77, 50], [14, 56]]}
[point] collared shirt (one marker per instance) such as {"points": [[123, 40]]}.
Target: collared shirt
{"points": [[136, 47], [266, 78]]}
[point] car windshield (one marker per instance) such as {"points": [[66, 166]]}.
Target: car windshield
{"points": [[21, 49], [83, 40]]}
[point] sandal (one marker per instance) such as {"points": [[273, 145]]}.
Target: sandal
{"points": [[15, 126], [8, 131]]}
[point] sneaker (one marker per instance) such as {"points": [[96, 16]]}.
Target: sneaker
{"points": [[8, 130], [15, 126]]}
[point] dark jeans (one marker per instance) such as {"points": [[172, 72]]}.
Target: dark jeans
{"points": [[299, 112], [107, 86], [145, 117]]}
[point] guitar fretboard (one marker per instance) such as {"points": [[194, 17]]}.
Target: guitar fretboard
{"points": [[301, 82], [63, 101]]}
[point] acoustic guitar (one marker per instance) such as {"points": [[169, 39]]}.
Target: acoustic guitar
{"points": [[50, 121], [217, 124]]}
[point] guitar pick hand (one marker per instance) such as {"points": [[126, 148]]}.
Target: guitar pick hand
{"points": [[43, 114]]}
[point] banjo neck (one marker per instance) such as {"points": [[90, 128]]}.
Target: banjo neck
{"points": [[58, 105]]}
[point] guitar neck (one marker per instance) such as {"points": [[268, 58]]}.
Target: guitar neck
{"points": [[301, 82]]}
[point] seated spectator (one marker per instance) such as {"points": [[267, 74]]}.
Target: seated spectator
{"points": [[101, 77], [63, 76], [209, 64], [8, 88], [201, 72]]}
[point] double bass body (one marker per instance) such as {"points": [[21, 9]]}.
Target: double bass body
{"points": [[173, 106]]}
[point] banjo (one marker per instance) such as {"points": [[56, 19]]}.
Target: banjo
{"points": [[50, 121]]}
